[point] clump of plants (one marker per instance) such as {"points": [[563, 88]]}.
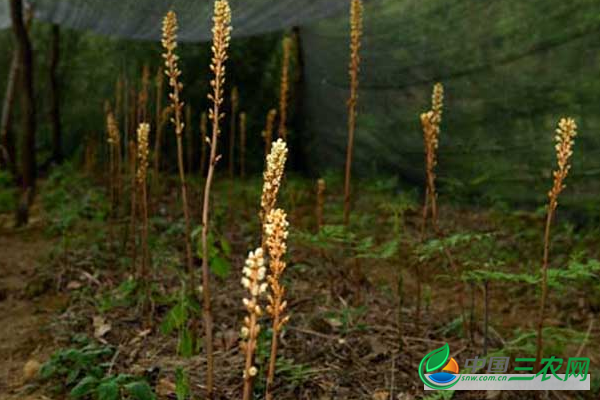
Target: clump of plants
{"points": [[86, 371]]}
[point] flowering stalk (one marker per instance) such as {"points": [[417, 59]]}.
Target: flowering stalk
{"points": [[143, 96], [284, 88], [142, 170], [267, 134], [254, 274], [221, 37], [169, 43], [565, 134], [272, 179], [356, 30], [431, 122], [276, 229], [114, 142], [133, 223]]}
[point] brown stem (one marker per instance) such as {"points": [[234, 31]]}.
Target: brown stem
{"points": [[433, 199], [273, 357], [544, 294], [203, 133], [418, 307], [425, 213], [159, 126], [133, 117], [351, 128], [487, 317], [242, 145], [186, 214], [145, 251], [472, 314], [212, 162], [111, 177], [205, 273], [132, 168], [400, 321], [251, 344], [118, 177]]}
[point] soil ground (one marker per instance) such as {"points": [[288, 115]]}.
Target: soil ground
{"points": [[27, 307]]}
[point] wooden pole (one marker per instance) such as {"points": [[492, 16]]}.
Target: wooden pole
{"points": [[7, 139], [28, 161], [57, 155]]}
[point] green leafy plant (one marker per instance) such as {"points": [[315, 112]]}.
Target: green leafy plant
{"points": [[178, 318], [69, 197], [123, 295], [82, 371], [332, 237], [182, 384], [219, 251], [7, 192]]}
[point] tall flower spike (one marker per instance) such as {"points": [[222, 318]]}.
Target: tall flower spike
{"points": [[221, 36], [437, 103], [253, 276], [267, 134], [356, 24], [114, 142], [113, 129], [142, 152], [565, 134], [284, 88], [272, 176], [276, 229], [430, 122], [169, 43]]}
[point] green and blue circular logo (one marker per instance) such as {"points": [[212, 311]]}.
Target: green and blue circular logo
{"points": [[447, 367]]}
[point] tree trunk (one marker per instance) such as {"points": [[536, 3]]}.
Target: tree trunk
{"points": [[7, 139], [28, 162], [57, 154]]}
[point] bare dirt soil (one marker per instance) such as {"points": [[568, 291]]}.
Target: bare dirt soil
{"points": [[26, 307]]}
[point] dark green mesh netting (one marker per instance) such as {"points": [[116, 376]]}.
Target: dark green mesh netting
{"points": [[510, 68]]}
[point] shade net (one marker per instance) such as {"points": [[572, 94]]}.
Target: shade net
{"points": [[510, 68], [141, 19]]}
